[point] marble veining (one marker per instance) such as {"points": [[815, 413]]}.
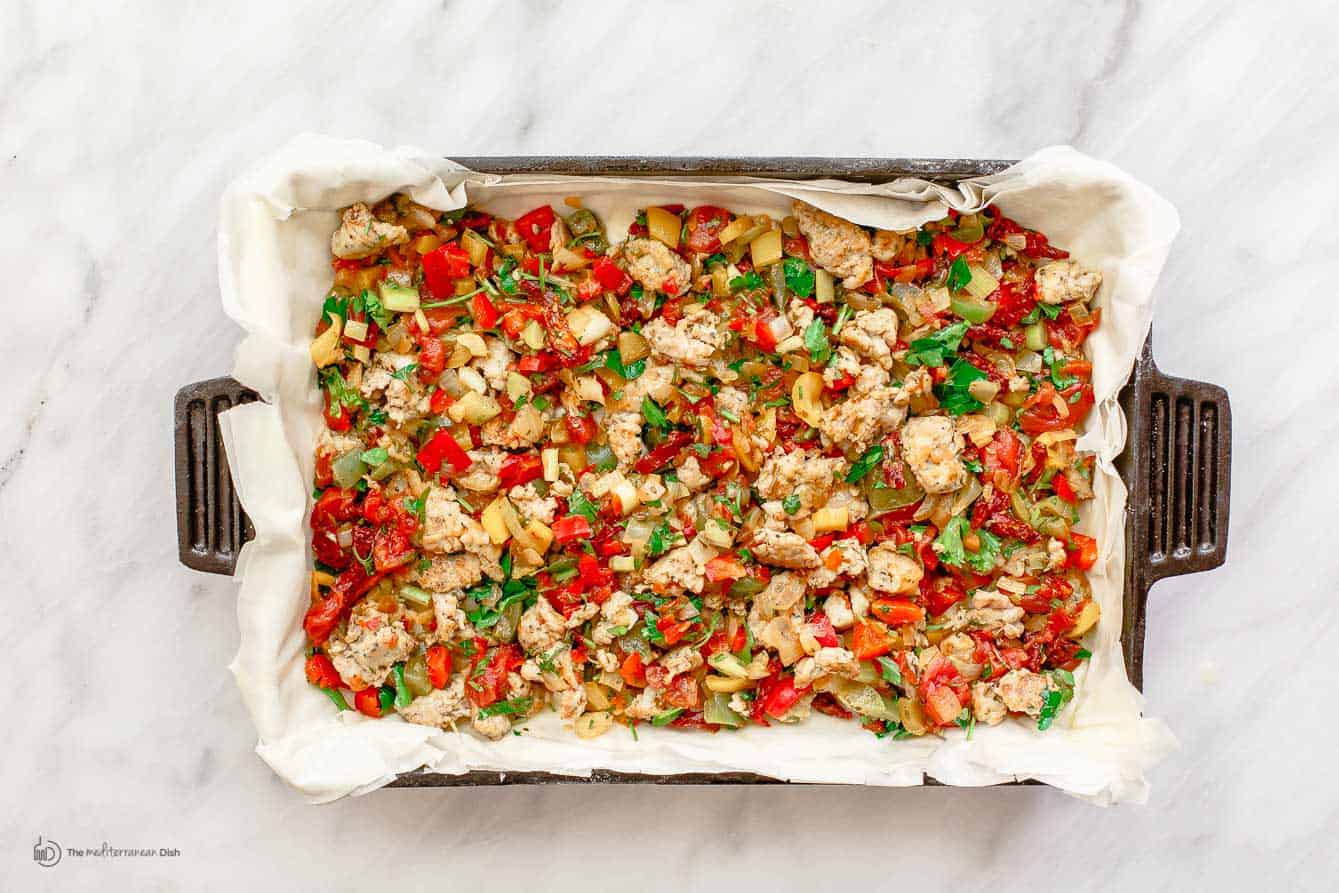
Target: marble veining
{"points": [[120, 125]]}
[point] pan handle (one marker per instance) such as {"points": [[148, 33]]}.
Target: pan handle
{"points": [[211, 526], [1180, 441]]}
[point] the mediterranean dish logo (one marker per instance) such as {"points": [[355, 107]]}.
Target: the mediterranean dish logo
{"points": [[48, 853]]}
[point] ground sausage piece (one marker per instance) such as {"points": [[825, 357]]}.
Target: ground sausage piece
{"points": [[624, 431], [783, 549], [656, 267], [872, 334], [806, 475], [360, 234], [1065, 280], [931, 445], [445, 573], [988, 707], [836, 245], [676, 571], [891, 571], [541, 627], [888, 245], [371, 644], [1023, 691], [691, 341], [439, 708]]}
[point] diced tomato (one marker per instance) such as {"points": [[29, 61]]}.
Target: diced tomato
{"points": [[870, 639], [703, 223], [821, 628], [897, 611], [368, 702], [536, 227], [1041, 414], [517, 470], [441, 319], [580, 428], [822, 541], [443, 448], [337, 418], [683, 693], [777, 695], [322, 673], [1066, 333], [1002, 458], [334, 505], [1014, 300], [719, 463], [937, 688], [905, 274], [325, 474], [1082, 551], [633, 670], [349, 586], [592, 573], [392, 549], [438, 658], [515, 319], [443, 266], [540, 362], [796, 246], [440, 402], [488, 678], [569, 528], [485, 314], [431, 359]]}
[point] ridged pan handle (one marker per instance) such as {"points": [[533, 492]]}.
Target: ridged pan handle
{"points": [[211, 526], [1177, 465]]}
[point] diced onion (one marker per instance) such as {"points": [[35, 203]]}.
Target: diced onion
{"points": [[981, 284], [824, 292], [549, 458], [471, 379], [664, 226], [473, 408], [355, 330], [588, 324], [474, 343], [588, 388], [804, 397], [766, 248]]}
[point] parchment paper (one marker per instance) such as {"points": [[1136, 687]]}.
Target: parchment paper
{"points": [[274, 271]]}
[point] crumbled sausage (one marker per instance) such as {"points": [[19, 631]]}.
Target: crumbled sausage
{"points": [[931, 445], [783, 549], [872, 334], [624, 432], [836, 245], [693, 340], [541, 627], [891, 571], [806, 475], [447, 572], [656, 267], [360, 234], [440, 708], [888, 245], [371, 644], [1061, 281], [1023, 691]]}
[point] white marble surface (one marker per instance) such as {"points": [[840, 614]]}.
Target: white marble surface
{"points": [[118, 130]]}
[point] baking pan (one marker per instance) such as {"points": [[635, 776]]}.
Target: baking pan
{"points": [[1176, 463]]}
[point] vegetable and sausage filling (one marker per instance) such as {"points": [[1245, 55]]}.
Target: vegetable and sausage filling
{"points": [[726, 471]]}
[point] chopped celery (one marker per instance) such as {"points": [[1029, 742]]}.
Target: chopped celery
{"points": [[403, 298], [403, 697], [716, 710], [416, 675], [1035, 336], [972, 309], [415, 595], [728, 665], [348, 468]]}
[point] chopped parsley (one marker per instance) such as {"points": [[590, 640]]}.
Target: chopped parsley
{"points": [[614, 362], [954, 394], [791, 504], [934, 350], [799, 278], [404, 371], [653, 414], [579, 504], [664, 719], [959, 274], [891, 672], [374, 456], [750, 280], [509, 707], [861, 467], [816, 342]]}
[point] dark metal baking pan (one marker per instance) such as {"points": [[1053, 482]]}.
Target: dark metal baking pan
{"points": [[1176, 463]]}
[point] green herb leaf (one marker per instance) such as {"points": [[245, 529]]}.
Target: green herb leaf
{"points": [[861, 467], [631, 371], [935, 349], [579, 504], [404, 371], [664, 719], [951, 550], [983, 560], [816, 342], [799, 278], [959, 274], [509, 707], [924, 237], [791, 504], [653, 414], [954, 396], [750, 280]]}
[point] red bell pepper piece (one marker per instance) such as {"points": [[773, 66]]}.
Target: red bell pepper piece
{"points": [[487, 685], [941, 593], [438, 658], [703, 224], [540, 362], [337, 417], [484, 313], [673, 630], [1082, 551], [569, 528], [870, 639], [1062, 487], [725, 567], [897, 611], [778, 694], [443, 266], [633, 670], [611, 277], [820, 626], [322, 673], [536, 227], [443, 448], [519, 470], [662, 454]]}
